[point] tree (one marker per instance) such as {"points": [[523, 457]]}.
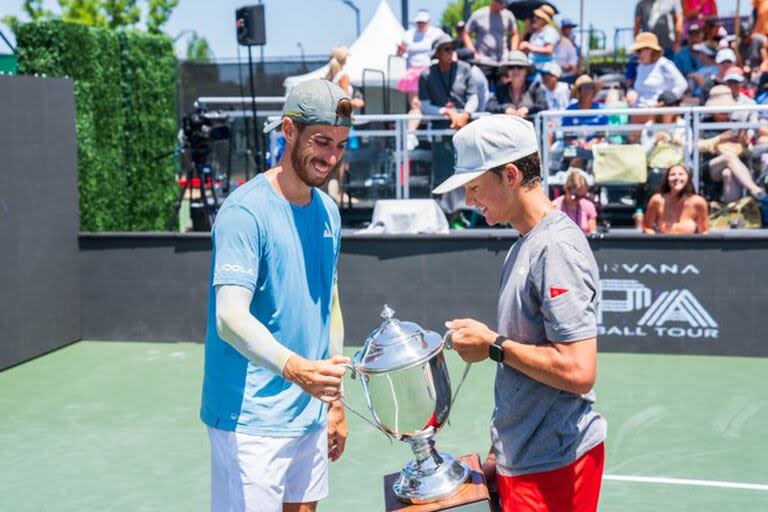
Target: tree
{"points": [[158, 13], [101, 13], [455, 12], [34, 9], [198, 48]]}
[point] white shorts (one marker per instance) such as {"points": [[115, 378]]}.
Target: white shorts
{"points": [[255, 473]]}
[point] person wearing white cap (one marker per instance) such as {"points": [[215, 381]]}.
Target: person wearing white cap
{"points": [[707, 71], [416, 46], [557, 93], [417, 42], [725, 59], [547, 440]]}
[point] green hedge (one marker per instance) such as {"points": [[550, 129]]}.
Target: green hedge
{"points": [[125, 98]]}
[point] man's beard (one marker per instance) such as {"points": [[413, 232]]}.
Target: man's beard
{"points": [[301, 160]]}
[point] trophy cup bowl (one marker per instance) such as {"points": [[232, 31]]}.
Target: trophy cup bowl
{"points": [[406, 385]]}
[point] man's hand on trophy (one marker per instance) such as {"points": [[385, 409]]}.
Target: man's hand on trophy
{"points": [[321, 379], [337, 431], [471, 339]]}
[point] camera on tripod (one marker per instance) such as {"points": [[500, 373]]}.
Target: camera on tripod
{"points": [[200, 128]]}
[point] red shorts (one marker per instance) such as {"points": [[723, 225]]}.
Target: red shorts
{"points": [[574, 488]]}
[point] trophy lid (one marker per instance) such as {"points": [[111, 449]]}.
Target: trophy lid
{"points": [[396, 345]]}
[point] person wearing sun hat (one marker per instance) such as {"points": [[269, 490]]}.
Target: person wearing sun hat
{"points": [[541, 46], [514, 96], [447, 89], [547, 450], [585, 90], [655, 73]]}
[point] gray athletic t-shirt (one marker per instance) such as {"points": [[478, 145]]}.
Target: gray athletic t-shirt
{"points": [[491, 29], [549, 293]]}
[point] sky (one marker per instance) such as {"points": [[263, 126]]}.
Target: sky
{"points": [[318, 25]]}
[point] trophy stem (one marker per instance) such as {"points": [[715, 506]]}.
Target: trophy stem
{"points": [[431, 476], [423, 448]]}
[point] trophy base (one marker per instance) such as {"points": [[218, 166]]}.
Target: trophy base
{"points": [[471, 496], [428, 480]]}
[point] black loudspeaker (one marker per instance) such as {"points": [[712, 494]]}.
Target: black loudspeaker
{"points": [[249, 21]]}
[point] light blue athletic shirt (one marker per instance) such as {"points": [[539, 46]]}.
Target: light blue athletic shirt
{"points": [[287, 255]]}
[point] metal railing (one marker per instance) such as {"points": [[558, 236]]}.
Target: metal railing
{"points": [[695, 123], [395, 127]]}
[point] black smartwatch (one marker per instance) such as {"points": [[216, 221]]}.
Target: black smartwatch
{"points": [[496, 351]]}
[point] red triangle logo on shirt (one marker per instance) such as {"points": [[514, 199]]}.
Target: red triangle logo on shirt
{"points": [[556, 292]]}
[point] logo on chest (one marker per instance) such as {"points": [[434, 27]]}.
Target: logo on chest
{"points": [[327, 232], [556, 292]]}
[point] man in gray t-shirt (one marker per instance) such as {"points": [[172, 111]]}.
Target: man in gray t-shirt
{"points": [[490, 25], [662, 17], [547, 439]]}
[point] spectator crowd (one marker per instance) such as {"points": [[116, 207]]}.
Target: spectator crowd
{"points": [[683, 54]]}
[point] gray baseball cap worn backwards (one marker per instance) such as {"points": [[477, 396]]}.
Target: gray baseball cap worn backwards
{"points": [[313, 102], [487, 143]]}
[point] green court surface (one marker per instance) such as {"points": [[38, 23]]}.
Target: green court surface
{"points": [[105, 426]]}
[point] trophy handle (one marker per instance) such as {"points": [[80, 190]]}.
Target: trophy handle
{"points": [[377, 426], [448, 344]]}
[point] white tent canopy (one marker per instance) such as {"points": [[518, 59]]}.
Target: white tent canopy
{"points": [[371, 50]]}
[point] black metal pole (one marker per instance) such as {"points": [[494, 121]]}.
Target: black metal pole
{"points": [[467, 9], [257, 138], [14, 49], [404, 11], [245, 124]]}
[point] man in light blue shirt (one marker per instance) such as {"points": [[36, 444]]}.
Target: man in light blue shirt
{"points": [[273, 358]]}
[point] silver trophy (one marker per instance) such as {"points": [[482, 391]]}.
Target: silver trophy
{"points": [[407, 388]]}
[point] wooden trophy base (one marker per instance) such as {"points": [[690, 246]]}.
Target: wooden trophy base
{"points": [[472, 496]]}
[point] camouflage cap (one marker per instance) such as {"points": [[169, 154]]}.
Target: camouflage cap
{"points": [[313, 102]]}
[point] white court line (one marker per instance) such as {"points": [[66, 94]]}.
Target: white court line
{"points": [[683, 481]]}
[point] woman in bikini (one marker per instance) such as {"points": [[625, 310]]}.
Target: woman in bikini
{"points": [[676, 208]]}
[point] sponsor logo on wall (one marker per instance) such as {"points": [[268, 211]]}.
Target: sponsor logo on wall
{"points": [[630, 305]]}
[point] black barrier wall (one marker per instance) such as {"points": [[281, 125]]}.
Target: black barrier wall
{"points": [[692, 295], [39, 263]]}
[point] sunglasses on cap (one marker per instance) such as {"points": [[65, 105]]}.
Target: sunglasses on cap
{"points": [[447, 48]]}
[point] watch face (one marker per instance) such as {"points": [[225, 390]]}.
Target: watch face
{"points": [[496, 353]]}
